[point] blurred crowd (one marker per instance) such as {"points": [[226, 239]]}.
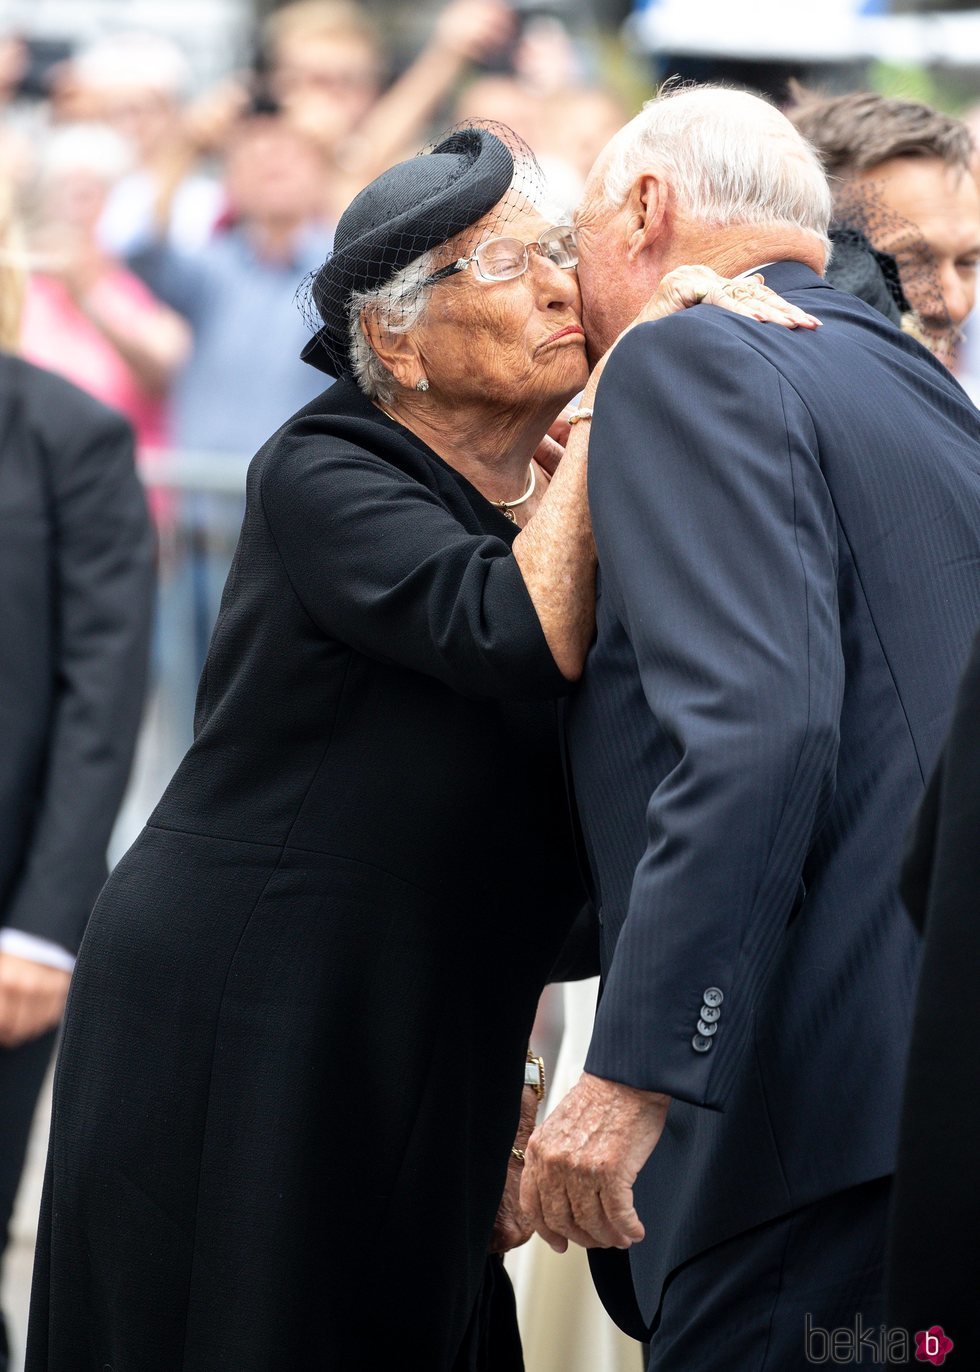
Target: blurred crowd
{"points": [[167, 230]]}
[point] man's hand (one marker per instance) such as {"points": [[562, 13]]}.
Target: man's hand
{"points": [[511, 1228], [32, 999], [583, 1161]]}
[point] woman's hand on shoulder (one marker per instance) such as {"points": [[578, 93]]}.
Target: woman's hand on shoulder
{"points": [[699, 285], [748, 295]]}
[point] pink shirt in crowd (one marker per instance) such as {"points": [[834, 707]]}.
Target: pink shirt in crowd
{"points": [[58, 335]]}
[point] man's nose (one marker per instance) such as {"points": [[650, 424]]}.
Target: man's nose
{"points": [[958, 294]]}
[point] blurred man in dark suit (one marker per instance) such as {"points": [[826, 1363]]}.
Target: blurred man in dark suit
{"points": [[76, 587], [788, 530]]}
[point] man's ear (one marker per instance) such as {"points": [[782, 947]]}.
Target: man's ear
{"points": [[647, 209], [396, 351]]}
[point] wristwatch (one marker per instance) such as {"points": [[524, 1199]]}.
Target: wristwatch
{"points": [[534, 1074]]}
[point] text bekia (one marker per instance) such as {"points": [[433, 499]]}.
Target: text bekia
{"points": [[873, 1345]]}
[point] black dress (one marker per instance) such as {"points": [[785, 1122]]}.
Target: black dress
{"points": [[292, 1063]]}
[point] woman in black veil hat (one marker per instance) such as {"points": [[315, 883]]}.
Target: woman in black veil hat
{"points": [[291, 1076]]}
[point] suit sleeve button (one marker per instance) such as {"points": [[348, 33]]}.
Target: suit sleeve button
{"points": [[713, 997], [700, 1043], [707, 1029], [710, 1013]]}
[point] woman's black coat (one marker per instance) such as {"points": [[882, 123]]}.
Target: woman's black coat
{"points": [[292, 1066]]}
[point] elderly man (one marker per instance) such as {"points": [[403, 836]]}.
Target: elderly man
{"points": [[903, 171], [788, 529]]}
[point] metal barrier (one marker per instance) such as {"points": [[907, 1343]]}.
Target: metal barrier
{"points": [[197, 500]]}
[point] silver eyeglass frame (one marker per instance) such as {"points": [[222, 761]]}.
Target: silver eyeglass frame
{"points": [[472, 260]]}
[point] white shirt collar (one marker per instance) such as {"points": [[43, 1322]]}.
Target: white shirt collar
{"points": [[752, 270]]}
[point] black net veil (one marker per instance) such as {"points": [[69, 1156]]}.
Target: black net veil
{"points": [[914, 280], [471, 184]]}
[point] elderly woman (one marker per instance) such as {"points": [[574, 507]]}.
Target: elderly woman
{"points": [[291, 1074]]}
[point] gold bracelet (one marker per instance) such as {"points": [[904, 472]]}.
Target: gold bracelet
{"points": [[518, 1153], [534, 1075], [576, 416]]}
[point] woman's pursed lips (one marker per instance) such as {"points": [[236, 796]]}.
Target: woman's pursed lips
{"points": [[569, 330]]}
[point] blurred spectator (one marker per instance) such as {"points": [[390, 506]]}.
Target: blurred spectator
{"points": [[244, 376], [13, 65], [566, 122], [901, 173], [971, 118], [574, 125], [11, 272], [325, 64], [76, 567], [136, 83], [86, 315], [15, 142], [505, 100], [968, 357]]}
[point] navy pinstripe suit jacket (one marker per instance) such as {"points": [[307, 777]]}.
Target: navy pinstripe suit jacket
{"points": [[788, 527]]}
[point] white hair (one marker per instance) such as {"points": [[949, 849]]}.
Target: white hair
{"points": [[398, 306], [134, 59], [729, 157], [85, 147]]}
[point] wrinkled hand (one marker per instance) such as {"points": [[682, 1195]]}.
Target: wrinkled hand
{"points": [[32, 999], [750, 296], [686, 286], [512, 1227], [583, 1161], [474, 30]]}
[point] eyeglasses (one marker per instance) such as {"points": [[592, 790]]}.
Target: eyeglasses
{"points": [[501, 259]]}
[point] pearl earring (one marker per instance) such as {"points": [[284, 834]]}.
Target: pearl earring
{"points": [[421, 384]]}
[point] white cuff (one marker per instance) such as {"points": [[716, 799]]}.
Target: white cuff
{"points": [[32, 949]]}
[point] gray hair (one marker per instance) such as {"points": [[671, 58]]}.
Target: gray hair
{"points": [[730, 158], [398, 306]]}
